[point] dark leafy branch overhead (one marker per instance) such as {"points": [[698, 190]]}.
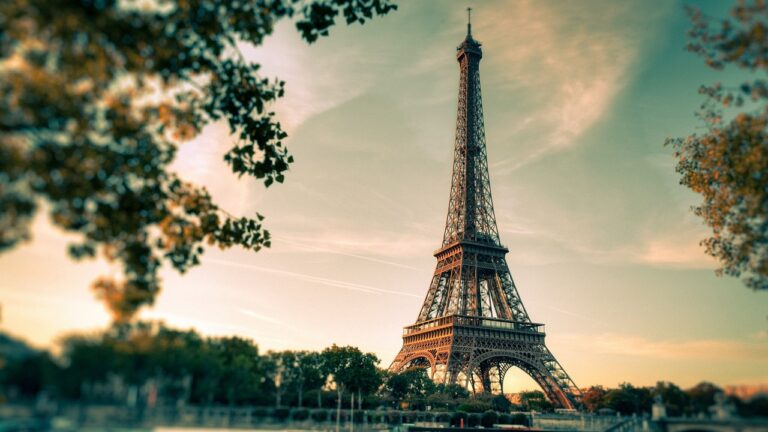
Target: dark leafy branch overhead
{"points": [[728, 164], [96, 96]]}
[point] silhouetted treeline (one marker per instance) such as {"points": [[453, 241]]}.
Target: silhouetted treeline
{"points": [[628, 399], [149, 364]]}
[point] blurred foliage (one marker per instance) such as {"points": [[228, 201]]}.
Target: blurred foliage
{"points": [[489, 419], [408, 385], [500, 403], [728, 164], [594, 398], [628, 399], [697, 400], [350, 370], [676, 401], [535, 400], [702, 396], [133, 363], [95, 98], [446, 397], [137, 358], [296, 371]]}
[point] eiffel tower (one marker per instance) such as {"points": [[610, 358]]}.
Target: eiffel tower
{"points": [[473, 326]]}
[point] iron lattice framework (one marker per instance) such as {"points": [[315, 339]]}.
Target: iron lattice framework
{"points": [[473, 326]]}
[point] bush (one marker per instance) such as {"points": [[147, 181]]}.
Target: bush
{"points": [[489, 418], [281, 413], [358, 416], [301, 414], [458, 417], [261, 412], [320, 415], [409, 417], [417, 404], [505, 419], [328, 399], [441, 401], [501, 404], [473, 419], [443, 418], [381, 417], [393, 417], [372, 401], [474, 406], [519, 419]]}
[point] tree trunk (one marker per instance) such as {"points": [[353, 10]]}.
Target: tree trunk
{"points": [[351, 411], [359, 399], [319, 398], [301, 396], [338, 409]]}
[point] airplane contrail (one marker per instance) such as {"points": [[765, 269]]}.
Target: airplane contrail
{"points": [[316, 279], [363, 257]]}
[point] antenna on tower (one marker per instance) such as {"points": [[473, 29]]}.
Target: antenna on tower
{"points": [[469, 21]]}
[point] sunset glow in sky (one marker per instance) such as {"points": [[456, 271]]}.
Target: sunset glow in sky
{"points": [[578, 99]]}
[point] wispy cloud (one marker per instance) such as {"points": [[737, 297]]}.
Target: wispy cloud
{"points": [[676, 250], [314, 279], [568, 313], [700, 349], [671, 240], [260, 317], [313, 81], [367, 248], [565, 74]]}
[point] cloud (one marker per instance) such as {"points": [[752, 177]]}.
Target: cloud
{"points": [[260, 317], [314, 279], [363, 245], [315, 244], [678, 349], [676, 251], [668, 240], [314, 75], [564, 73]]}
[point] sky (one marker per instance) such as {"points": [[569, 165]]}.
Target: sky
{"points": [[578, 98]]}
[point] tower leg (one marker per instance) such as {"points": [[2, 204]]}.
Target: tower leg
{"points": [[485, 374], [501, 378]]}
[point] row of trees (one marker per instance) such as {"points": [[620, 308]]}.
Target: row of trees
{"points": [[157, 364], [628, 399], [149, 363]]}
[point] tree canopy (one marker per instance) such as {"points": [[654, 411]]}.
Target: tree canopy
{"points": [[96, 97], [728, 164], [129, 362], [409, 384], [351, 370]]}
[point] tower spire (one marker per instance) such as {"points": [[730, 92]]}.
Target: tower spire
{"points": [[469, 21]]}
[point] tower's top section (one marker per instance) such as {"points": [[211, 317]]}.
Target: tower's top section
{"points": [[470, 209], [469, 45]]}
